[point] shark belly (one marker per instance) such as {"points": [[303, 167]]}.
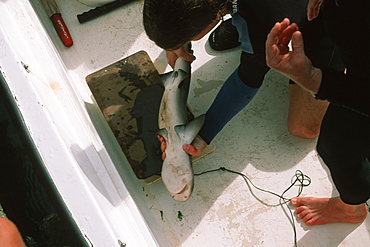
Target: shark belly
{"points": [[177, 172]]}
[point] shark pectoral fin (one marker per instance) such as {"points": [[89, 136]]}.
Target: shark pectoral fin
{"points": [[163, 132], [193, 128], [189, 132], [181, 131]]}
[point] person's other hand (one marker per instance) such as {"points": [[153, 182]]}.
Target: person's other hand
{"points": [[278, 55], [188, 148], [182, 53], [163, 146], [313, 9], [294, 64]]}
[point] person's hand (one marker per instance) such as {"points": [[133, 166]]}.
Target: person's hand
{"points": [[163, 146], [294, 64], [182, 53], [313, 9], [188, 148]]}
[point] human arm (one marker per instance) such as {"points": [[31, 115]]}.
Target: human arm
{"points": [[337, 87], [293, 64]]}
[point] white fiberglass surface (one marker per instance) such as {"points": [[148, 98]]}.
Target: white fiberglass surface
{"points": [[223, 210]]}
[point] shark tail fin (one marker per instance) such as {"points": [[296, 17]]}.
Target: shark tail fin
{"points": [[189, 132], [177, 77], [165, 78]]}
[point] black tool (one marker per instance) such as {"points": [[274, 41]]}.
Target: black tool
{"points": [[99, 11]]}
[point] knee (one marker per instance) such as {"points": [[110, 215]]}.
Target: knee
{"points": [[7, 226], [9, 234]]}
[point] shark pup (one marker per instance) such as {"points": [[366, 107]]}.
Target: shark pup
{"points": [[177, 172]]}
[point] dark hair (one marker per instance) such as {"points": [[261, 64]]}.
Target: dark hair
{"points": [[172, 23]]}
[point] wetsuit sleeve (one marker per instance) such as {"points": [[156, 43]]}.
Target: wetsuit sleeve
{"points": [[346, 90]]}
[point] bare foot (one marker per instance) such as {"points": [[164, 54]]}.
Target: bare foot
{"points": [[320, 211], [193, 149]]}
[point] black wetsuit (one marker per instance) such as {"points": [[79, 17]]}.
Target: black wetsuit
{"points": [[254, 20], [344, 141]]}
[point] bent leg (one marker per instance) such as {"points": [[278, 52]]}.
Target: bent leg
{"points": [[236, 93], [344, 145], [305, 112], [233, 96]]}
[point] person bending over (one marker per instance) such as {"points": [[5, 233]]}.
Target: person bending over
{"points": [[171, 24]]}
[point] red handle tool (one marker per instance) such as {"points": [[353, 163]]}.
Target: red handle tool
{"points": [[62, 29], [52, 10]]}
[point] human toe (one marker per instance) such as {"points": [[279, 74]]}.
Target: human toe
{"points": [[295, 201]]}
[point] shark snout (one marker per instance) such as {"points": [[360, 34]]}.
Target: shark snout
{"points": [[177, 176], [184, 194]]}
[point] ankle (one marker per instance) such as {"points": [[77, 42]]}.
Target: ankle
{"points": [[359, 210]]}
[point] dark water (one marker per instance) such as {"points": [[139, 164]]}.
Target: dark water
{"points": [[27, 194]]}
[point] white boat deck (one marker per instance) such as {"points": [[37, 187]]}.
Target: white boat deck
{"points": [[93, 176]]}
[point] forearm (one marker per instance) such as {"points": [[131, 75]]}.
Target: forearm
{"points": [[311, 83]]}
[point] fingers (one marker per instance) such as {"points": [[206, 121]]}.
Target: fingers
{"points": [[273, 36], [188, 148], [278, 40], [313, 9], [163, 149], [297, 43], [163, 146], [284, 24], [171, 58], [271, 44], [191, 150], [286, 34], [283, 32], [187, 56], [179, 53]]}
